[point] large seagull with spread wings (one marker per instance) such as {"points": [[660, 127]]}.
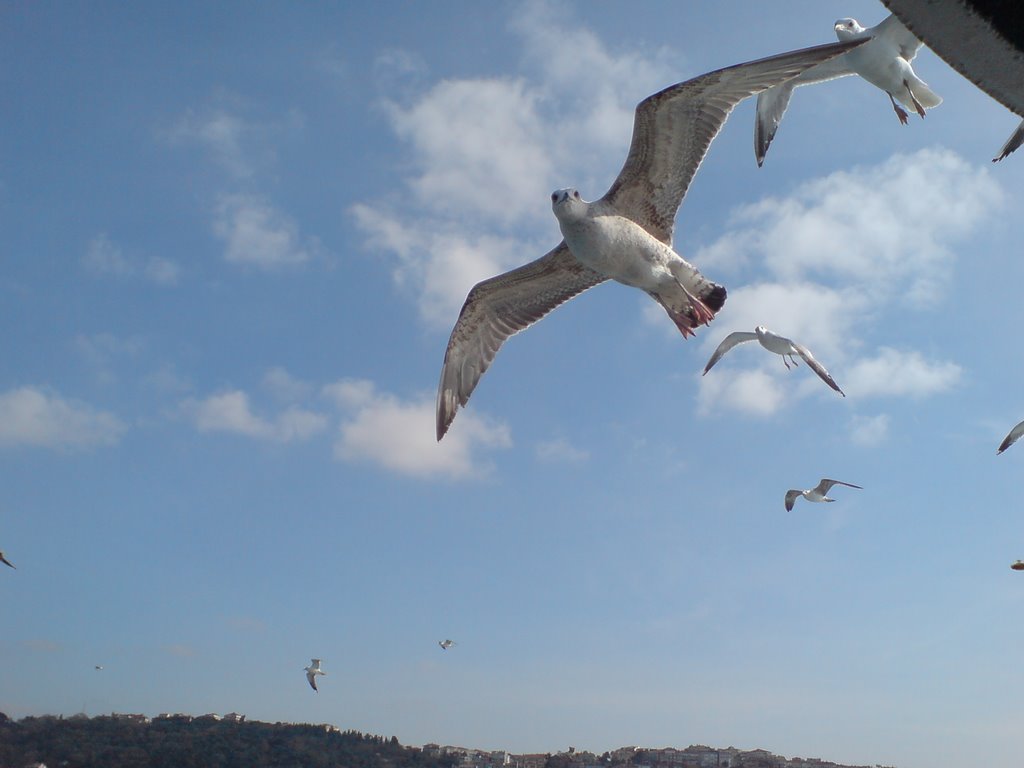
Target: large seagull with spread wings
{"points": [[627, 234]]}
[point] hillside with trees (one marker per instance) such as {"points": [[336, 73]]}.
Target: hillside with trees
{"points": [[124, 741]]}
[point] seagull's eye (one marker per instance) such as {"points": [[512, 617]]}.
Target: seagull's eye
{"points": [[554, 196], [576, 194]]}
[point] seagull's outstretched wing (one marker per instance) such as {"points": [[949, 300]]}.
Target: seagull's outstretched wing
{"points": [[825, 485], [312, 679], [730, 341], [5, 561], [1012, 143], [1009, 440], [893, 30], [791, 497], [817, 367], [772, 103], [497, 308], [673, 129]]}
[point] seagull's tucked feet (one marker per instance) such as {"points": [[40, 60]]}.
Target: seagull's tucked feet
{"points": [[913, 98], [901, 113]]}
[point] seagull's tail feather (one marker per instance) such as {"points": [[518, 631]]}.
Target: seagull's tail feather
{"points": [[928, 98], [714, 296], [693, 301]]}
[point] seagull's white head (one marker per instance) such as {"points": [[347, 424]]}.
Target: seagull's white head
{"points": [[848, 29], [761, 330], [567, 204]]}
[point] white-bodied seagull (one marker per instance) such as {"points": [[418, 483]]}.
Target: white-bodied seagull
{"points": [[884, 61], [817, 493], [627, 234], [312, 671], [780, 345]]}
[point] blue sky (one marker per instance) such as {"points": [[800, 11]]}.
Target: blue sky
{"points": [[235, 239]]}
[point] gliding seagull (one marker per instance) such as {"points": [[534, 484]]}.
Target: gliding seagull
{"points": [[446, 644], [884, 61], [624, 236], [312, 671], [817, 493], [780, 345]]}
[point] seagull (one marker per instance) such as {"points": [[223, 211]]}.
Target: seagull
{"points": [[981, 43], [627, 234], [817, 493], [780, 345], [1018, 566], [446, 644], [1015, 140], [1009, 440], [884, 61], [5, 561], [99, 666], [312, 671]]}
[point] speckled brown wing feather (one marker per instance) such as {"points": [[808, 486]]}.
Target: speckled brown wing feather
{"points": [[673, 129], [497, 308]]}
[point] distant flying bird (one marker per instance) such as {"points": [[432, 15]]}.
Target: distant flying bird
{"points": [[627, 234], [99, 666], [1018, 566], [780, 345], [981, 41], [446, 644], [817, 493], [5, 561], [884, 61], [1009, 440], [312, 671]]}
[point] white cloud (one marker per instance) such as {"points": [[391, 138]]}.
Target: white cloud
{"points": [[104, 257], [900, 373], [891, 225], [231, 412], [487, 152], [869, 430], [257, 234], [835, 258], [561, 451], [284, 386], [399, 435], [752, 391], [31, 417], [479, 147], [222, 134], [438, 265]]}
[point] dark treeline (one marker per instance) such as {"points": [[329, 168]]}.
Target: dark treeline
{"points": [[182, 742]]}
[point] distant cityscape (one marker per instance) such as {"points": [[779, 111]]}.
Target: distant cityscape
{"points": [[693, 756], [120, 740]]}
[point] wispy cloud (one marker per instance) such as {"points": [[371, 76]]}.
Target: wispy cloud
{"points": [[869, 430], [398, 435], [104, 257], [834, 259], [30, 417], [257, 234], [231, 140], [486, 152], [895, 373], [231, 412], [560, 451]]}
